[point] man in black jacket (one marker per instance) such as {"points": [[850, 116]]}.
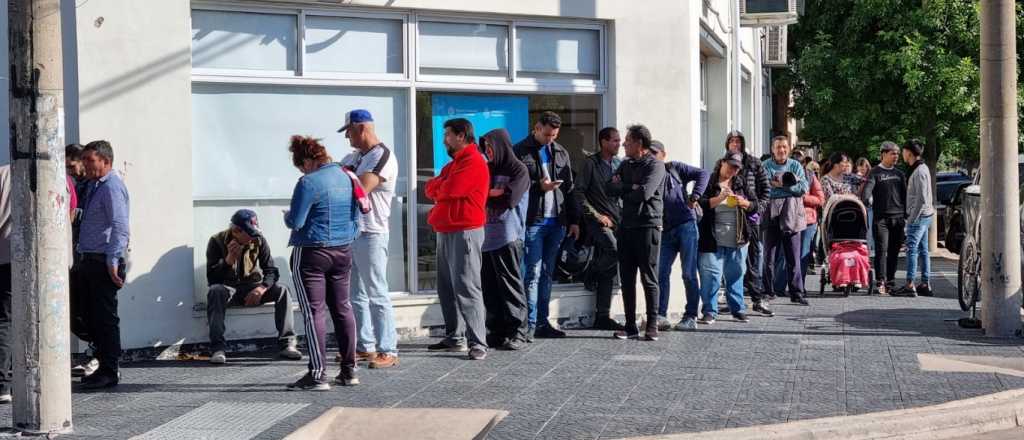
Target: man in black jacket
{"points": [[886, 193], [640, 181], [241, 272], [753, 173], [601, 217], [550, 212]]}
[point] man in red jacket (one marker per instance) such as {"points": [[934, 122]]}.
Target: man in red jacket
{"points": [[458, 216]]}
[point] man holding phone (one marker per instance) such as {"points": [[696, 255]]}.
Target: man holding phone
{"points": [[550, 213]]}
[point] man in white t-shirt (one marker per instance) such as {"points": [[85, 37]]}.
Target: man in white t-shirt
{"points": [[377, 169]]}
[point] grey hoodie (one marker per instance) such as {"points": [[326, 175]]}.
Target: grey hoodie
{"points": [[919, 193]]}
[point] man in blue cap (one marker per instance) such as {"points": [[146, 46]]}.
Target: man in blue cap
{"points": [[241, 272]]}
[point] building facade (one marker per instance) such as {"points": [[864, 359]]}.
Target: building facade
{"points": [[199, 99]]}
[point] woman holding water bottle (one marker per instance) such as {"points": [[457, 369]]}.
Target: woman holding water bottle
{"points": [[725, 229]]}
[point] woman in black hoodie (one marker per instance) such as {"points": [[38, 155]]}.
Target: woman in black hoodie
{"points": [[504, 294], [753, 174]]}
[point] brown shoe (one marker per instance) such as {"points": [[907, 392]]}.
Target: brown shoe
{"points": [[361, 356], [384, 360]]}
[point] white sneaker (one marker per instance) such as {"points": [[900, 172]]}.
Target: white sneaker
{"points": [[5, 398], [687, 324], [218, 357], [664, 324]]}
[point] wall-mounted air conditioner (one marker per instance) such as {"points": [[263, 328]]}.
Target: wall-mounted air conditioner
{"points": [[768, 12], [775, 46]]}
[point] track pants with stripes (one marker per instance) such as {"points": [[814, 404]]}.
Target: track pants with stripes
{"points": [[321, 276]]}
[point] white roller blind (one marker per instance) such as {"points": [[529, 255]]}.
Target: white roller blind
{"points": [[479, 47], [240, 133], [357, 45], [558, 51], [239, 40]]}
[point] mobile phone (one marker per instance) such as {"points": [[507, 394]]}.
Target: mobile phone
{"points": [[557, 182]]}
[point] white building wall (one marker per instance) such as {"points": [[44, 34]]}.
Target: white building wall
{"points": [[135, 91]]}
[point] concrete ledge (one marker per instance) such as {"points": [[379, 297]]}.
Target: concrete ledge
{"points": [[959, 419], [399, 423]]}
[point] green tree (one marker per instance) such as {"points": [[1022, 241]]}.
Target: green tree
{"points": [[864, 71]]}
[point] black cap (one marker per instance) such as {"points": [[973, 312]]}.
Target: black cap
{"points": [[735, 159], [245, 219]]}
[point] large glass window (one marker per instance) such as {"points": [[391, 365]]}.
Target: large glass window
{"points": [[557, 53], [240, 155], [353, 45], [244, 41], [463, 49], [516, 113]]}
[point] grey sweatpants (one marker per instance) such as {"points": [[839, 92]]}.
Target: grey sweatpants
{"points": [[458, 287]]}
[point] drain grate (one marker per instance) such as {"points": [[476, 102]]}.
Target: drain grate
{"points": [[224, 421]]}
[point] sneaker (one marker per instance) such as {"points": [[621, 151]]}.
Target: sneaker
{"points": [[362, 356], [218, 357], [627, 334], [5, 393], [706, 320], [904, 291], [448, 346], [606, 323], [290, 352], [347, 376], [925, 290], [664, 324], [513, 345], [548, 332], [101, 379], [687, 324], [651, 334], [85, 368], [384, 360], [763, 309], [308, 383], [797, 299], [881, 289], [477, 354], [530, 334], [740, 317]]}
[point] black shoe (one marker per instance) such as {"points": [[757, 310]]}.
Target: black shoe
{"points": [[904, 291], [797, 299], [529, 334], [308, 383], [762, 308], [513, 345], [101, 379], [627, 334], [652, 333], [347, 377], [477, 354], [447, 346], [549, 332], [740, 317], [925, 290], [723, 310], [606, 323]]}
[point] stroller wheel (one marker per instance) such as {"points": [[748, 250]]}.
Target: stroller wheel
{"points": [[847, 290], [824, 281]]}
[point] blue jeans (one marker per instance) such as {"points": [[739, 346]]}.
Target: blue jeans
{"points": [[371, 302], [542, 243], [681, 240], [917, 249], [731, 262]]}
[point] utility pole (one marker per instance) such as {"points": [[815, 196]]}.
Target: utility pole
{"points": [[39, 214], [1000, 219]]}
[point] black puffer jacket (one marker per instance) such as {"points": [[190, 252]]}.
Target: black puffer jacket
{"points": [[753, 172], [740, 186]]}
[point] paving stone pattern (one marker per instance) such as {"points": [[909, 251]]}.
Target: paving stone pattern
{"points": [[840, 356]]}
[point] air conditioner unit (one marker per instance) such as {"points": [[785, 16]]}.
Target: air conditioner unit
{"points": [[759, 13], [775, 46]]}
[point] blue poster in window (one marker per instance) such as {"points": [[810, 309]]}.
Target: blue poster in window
{"points": [[485, 112]]}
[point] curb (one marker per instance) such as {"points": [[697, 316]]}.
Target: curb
{"points": [[958, 419]]}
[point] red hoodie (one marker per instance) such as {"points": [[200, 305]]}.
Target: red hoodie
{"points": [[460, 193]]}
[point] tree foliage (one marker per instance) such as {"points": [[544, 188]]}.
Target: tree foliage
{"points": [[864, 71]]}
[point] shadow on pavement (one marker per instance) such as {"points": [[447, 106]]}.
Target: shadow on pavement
{"points": [[939, 323]]}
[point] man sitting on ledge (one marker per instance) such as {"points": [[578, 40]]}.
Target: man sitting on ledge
{"points": [[241, 272]]}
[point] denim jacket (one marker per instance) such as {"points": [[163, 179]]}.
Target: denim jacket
{"points": [[323, 213]]}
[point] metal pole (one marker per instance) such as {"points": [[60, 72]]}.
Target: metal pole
{"points": [[1000, 219], [42, 384], [734, 75]]}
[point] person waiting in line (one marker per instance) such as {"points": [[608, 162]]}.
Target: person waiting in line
{"points": [[640, 182], [552, 213], [240, 271], [323, 217], [835, 180], [100, 273], [814, 201], [785, 218], [920, 213], [377, 169], [726, 229], [601, 217], [679, 236], [501, 274], [459, 214], [862, 169], [753, 173], [886, 192]]}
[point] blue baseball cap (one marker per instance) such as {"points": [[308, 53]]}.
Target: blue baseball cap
{"points": [[356, 117], [246, 220]]}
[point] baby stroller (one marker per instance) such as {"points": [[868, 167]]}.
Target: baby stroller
{"points": [[845, 236]]}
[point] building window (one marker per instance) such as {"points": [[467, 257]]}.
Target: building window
{"points": [[517, 114], [244, 41], [463, 49], [353, 45], [544, 53]]}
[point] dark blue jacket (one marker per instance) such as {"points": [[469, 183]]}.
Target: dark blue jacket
{"points": [[677, 199]]}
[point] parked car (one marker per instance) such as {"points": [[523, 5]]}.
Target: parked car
{"points": [[947, 185]]}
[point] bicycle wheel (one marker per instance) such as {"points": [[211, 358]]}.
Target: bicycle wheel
{"points": [[968, 275]]}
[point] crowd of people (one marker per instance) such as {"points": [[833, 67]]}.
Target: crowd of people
{"points": [[502, 211]]}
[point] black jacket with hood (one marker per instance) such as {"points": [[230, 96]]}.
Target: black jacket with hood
{"points": [[503, 164], [706, 227], [754, 174]]}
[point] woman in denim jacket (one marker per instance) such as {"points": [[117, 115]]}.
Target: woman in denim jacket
{"points": [[323, 219]]}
